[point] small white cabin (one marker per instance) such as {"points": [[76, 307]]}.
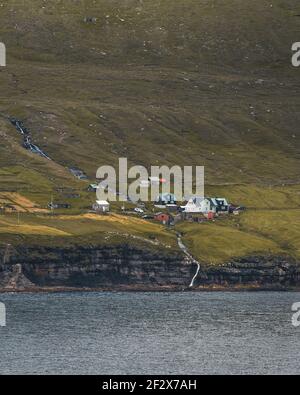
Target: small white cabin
{"points": [[101, 206]]}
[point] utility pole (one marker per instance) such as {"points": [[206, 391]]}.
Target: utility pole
{"points": [[51, 204]]}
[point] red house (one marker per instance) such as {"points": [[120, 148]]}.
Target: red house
{"points": [[210, 215], [162, 217]]}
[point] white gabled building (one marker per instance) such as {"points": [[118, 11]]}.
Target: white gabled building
{"points": [[200, 205], [101, 206]]}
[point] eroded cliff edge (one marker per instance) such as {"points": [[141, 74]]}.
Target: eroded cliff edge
{"points": [[124, 267]]}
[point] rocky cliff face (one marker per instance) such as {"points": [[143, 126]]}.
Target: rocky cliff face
{"points": [[130, 268], [105, 267], [252, 272]]}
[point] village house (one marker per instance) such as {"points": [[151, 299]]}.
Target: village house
{"points": [[164, 218], [165, 198], [221, 204], [206, 205], [200, 205], [78, 173], [151, 181], [101, 206]]}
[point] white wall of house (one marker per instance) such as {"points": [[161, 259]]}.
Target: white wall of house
{"points": [[192, 207], [101, 206], [199, 206]]}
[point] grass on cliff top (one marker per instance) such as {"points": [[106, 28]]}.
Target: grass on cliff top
{"points": [[260, 233], [257, 232], [216, 244], [282, 227], [84, 229], [266, 228], [261, 197]]}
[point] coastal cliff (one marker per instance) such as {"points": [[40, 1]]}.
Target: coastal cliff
{"points": [[125, 267]]}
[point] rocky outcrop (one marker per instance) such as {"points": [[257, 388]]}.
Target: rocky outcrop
{"points": [[126, 267], [12, 278]]}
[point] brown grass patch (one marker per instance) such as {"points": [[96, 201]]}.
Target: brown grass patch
{"points": [[121, 219], [20, 203], [33, 230]]}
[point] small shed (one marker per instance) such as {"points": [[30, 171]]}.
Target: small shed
{"points": [[78, 173], [163, 218], [210, 215], [101, 206]]}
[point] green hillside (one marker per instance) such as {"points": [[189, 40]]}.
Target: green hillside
{"points": [[186, 82]]}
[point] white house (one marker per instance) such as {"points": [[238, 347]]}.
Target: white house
{"points": [[200, 205], [101, 206]]}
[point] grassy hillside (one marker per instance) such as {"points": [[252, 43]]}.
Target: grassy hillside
{"points": [[262, 232], [87, 229], [187, 82]]}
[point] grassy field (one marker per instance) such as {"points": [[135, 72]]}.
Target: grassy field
{"points": [[282, 227], [58, 230], [181, 82], [215, 244], [261, 232], [256, 232]]}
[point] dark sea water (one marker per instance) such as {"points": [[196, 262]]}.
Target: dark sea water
{"points": [[150, 333]]}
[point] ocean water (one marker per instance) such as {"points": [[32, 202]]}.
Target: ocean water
{"points": [[150, 333]]}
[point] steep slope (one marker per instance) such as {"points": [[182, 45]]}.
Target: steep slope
{"points": [[185, 82]]}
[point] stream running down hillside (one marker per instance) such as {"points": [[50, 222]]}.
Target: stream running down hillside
{"points": [[27, 138], [190, 257]]}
